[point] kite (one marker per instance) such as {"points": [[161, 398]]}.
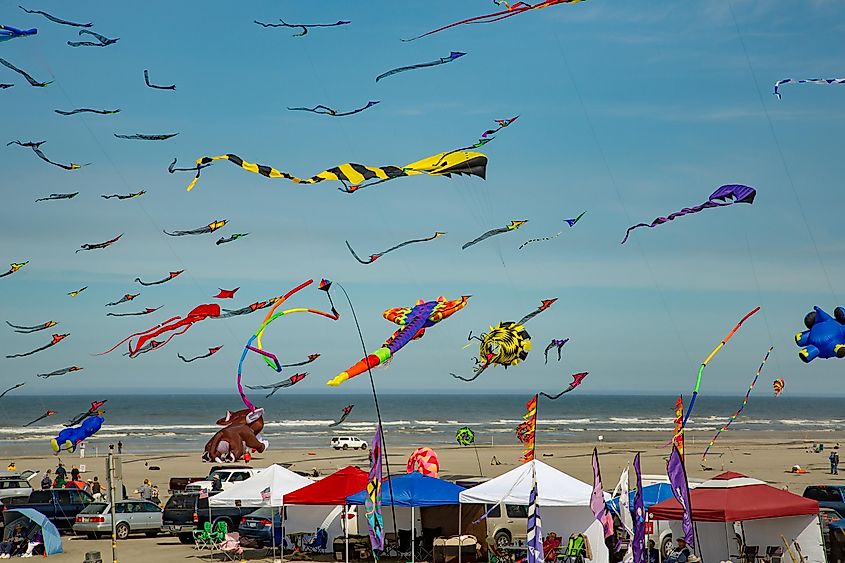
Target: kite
{"points": [[126, 196], [29, 78], [443, 60], [55, 19], [346, 412], [156, 86], [140, 137], [226, 293], [95, 406], [211, 352], [292, 380], [178, 325], [506, 229], [42, 417], [735, 415], [507, 343], [14, 267], [353, 176], [31, 329], [570, 222], [304, 26], [722, 197], [249, 308], [326, 110], [58, 372], [146, 311], [778, 385], [224, 240], [527, 430], [374, 257], [77, 292], [4, 86], [161, 281], [12, 388], [311, 358], [825, 337], [55, 340], [413, 320], [103, 40], [100, 245], [70, 437], [780, 83], [423, 460], [512, 10], [465, 436], [53, 197], [555, 343], [210, 228], [148, 347], [710, 357], [124, 299], [36, 148], [254, 342], [577, 378], [8, 32], [88, 110]]}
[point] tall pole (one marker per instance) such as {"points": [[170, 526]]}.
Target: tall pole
{"points": [[112, 499]]}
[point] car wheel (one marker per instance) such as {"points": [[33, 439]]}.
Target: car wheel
{"points": [[185, 538], [345, 446], [502, 539], [666, 547], [364, 446], [151, 533], [121, 530]]}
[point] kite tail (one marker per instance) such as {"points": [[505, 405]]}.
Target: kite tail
{"points": [[375, 359], [143, 340], [131, 336]]}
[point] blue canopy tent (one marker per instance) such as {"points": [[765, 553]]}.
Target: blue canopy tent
{"points": [[52, 540], [414, 490], [652, 494]]}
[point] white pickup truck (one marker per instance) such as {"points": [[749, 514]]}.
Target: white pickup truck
{"points": [[228, 477]]}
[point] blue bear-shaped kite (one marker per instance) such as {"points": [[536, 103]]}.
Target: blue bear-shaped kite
{"points": [[825, 337], [70, 437]]}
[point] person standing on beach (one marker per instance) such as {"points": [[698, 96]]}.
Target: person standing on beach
{"points": [[47, 481], [832, 459], [145, 491], [835, 463], [119, 447]]}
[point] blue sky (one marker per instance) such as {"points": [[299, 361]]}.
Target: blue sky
{"points": [[629, 110]]}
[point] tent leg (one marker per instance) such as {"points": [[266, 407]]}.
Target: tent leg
{"points": [[282, 547], [460, 535], [413, 536], [346, 530], [273, 534]]}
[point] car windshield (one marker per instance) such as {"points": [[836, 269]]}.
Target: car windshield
{"points": [[38, 497], [223, 475], [181, 502], [95, 508]]}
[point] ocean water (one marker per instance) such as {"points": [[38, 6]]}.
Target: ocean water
{"points": [[185, 422]]}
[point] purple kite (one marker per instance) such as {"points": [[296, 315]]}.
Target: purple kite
{"points": [[722, 197]]}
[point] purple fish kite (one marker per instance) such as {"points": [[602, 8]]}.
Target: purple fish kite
{"points": [[724, 196]]}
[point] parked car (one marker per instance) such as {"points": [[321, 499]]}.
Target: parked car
{"points": [[60, 506], [829, 496], [228, 477], [130, 516], [14, 486], [186, 512], [257, 526], [506, 523], [177, 484], [348, 442]]}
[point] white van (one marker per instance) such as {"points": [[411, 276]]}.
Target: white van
{"points": [[348, 442]]}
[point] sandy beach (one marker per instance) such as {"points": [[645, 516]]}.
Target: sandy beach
{"points": [[753, 454]]}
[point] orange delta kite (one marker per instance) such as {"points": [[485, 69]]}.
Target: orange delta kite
{"points": [[55, 340], [413, 320]]}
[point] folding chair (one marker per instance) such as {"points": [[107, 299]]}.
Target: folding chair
{"points": [[231, 546], [203, 538], [750, 553], [317, 542], [574, 551], [774, 554]]}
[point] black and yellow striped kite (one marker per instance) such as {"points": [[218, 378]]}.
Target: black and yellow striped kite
{"points": [[356, 176]]}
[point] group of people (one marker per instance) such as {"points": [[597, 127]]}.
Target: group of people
{"points": [[20, 544], [61, 481]]}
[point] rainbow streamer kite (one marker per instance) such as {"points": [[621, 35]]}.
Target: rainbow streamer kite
{"points": [[735, 415], [710, 357], [526, 431]]}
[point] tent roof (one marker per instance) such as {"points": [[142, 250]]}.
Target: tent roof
{"points": [[280, 480], [733, 497], [414, 489], [330, 490], [652, 494], [554, 488]]}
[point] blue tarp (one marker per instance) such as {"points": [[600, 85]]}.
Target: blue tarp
{"points": [[52, 540], [652, 494], [414, 489]]}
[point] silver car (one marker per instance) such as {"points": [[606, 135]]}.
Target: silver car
{"points": [[131, 516]]}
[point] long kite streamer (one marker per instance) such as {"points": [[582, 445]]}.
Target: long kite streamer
{"points": [[577, 378], [710, 357], [146, 311], [232, 238], [289, 382], [156, 86], [303, 26], [326, 110], [99, 245], [725, 195], [76, 292], [88, 110], [142, 137], [54, 197], [210, 228], [7, 32], [95, 406], [32, 82], [454, 55], [14, 267], [124, 196], [735, 415], [374, 257], [31, 329], [42, 417], [5, 86], [36, 148], [514, 225], [570, 222], [251, 308], [211, 352], [103, 41], [169, 277], [12, 388], [59, 372], [124, 299], [353, 176], [780, 83], [55, 340], [512, 10], [347, 410], [55, 19]]}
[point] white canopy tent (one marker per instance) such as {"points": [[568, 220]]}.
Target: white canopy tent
{"points": [[281, 481], [564, 502]]}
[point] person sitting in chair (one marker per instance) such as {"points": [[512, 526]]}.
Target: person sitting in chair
{"points": [[681, 553], [16, 545]]}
